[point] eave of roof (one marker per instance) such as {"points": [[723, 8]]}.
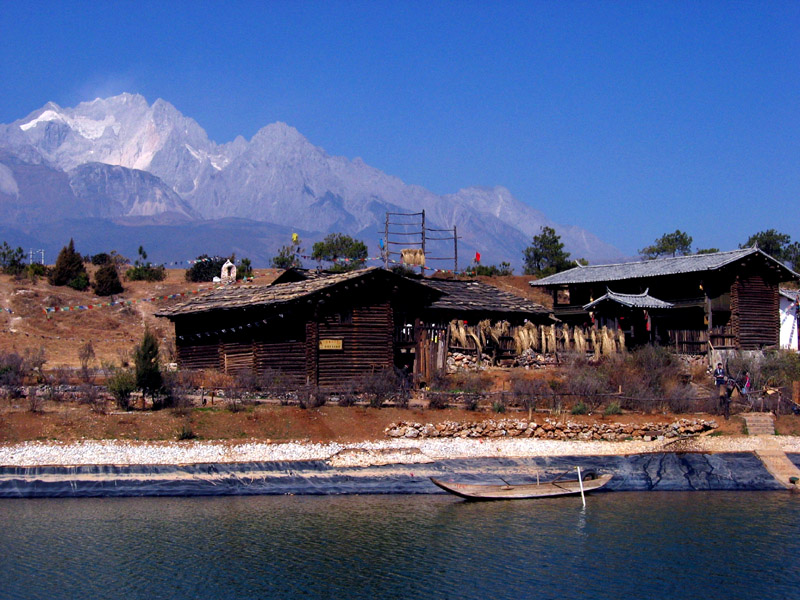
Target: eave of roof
{"points": [[644, 300], [790, 294], [676, 265]]}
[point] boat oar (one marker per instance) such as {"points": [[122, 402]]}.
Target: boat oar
{"points": [[508, 485], [580, 481]]}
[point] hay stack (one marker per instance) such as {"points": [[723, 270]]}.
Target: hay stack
{"points": [[595, 342], [580, 340], [413, 256], [458, 333]]}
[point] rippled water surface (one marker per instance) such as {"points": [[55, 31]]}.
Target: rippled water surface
{"points": [[639, 545]]}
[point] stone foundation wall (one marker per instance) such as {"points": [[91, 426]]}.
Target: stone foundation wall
{"points": [[551, 429]]}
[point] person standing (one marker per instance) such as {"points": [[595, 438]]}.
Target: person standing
{"points": [[720, 381]]}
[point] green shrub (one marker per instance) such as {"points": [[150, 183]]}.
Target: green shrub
{"points": [[101, 259], [187, 432], [613, 409], [34, 270], [580, 409], [146, 273], [499, 406], [121, 384], [148, 366], [80, 282], [106, 281], [143, 270]]}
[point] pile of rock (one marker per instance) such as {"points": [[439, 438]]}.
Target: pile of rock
{"points": [[458, 362], [530, 359], [551, 429]]}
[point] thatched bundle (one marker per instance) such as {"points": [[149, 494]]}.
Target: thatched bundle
{"points": [[608, 342], [471, 334], [580, 340], [413, 256], [499, 330], [565, 337], [621, 340], [458, 333], [595, 342], [526, 337]]}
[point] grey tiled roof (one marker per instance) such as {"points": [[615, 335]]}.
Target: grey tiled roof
{"points": [[655, 268], [644, 300], [236, 296], [478, 296]]}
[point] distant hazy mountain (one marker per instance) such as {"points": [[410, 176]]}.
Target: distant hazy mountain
{"points": [[122, 159]]}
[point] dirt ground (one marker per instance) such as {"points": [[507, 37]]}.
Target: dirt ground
{"points": [[70, 421], [113, 330]]}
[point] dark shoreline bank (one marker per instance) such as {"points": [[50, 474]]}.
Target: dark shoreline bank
{"points": [[637, 472]]}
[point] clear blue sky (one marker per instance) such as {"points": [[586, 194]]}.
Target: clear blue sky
{"points": [[630, 119]]}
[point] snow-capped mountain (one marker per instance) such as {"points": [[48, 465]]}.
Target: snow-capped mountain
{"points": [[121, 157]]}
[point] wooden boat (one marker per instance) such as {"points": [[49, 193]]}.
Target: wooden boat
{"points": [[556, 487]]}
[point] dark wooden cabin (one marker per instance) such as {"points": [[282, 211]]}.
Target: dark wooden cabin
{"points": [[321, 331], [328, 330], [697, 303]]}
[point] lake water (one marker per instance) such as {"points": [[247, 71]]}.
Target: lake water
{"points": [[623, 545]]}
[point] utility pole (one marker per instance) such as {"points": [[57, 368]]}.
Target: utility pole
{"points": [[422, 267], [31, 252]]}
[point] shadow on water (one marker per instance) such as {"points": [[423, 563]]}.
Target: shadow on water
{"points": [[665, 545]]}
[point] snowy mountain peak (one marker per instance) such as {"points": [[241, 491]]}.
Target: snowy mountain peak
{"points": [[277, 177]]}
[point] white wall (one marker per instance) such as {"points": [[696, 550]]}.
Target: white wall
{"points": [[789, 324]]}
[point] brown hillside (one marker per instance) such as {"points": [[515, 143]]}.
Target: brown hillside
{"points": [[111, 329], [114, 330]]}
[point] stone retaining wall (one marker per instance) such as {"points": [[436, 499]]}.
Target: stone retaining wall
{"points": [[551, 429]]}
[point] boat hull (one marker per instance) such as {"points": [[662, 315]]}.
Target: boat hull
{"points": [[477, 491]]}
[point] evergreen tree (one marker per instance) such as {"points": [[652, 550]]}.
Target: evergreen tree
{"points": [[346, 253], [69, 269], [106, 281], [669, 244], [11, 260], [147, 366], [288, 256], [546, 254]]}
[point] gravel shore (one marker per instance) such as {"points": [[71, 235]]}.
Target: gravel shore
{"points": [[115, 452]]}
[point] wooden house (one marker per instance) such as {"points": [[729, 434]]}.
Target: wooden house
{"points": [[696, 303], [332, 329]]}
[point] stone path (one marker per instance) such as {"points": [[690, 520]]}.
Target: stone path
{"points": [[759, 423], [771, 453]]}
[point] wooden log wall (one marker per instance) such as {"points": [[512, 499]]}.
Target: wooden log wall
{"points": [[287, 357], [366, 336], [238, 357], [754, 312], [206, 356]]}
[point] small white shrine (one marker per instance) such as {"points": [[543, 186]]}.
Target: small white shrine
{"points": [[228, 274]]}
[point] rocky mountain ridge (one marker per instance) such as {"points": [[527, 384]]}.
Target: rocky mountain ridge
{"points": [[121, 157]]}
